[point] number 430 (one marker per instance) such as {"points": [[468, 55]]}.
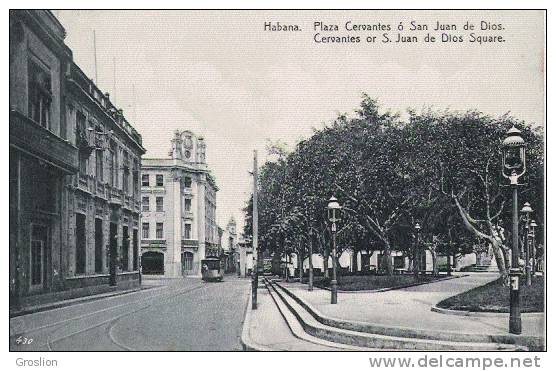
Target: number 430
{"points": [[23, 341]]}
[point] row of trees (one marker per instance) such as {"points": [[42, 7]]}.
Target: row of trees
{"points": [[441, 169]]}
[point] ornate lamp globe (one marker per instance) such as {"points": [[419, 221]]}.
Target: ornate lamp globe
{"points": [[526, 209], [513, 153], [333, 209]]}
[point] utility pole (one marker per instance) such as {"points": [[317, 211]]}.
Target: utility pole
{"points": [[95, 51], [255, 274]]}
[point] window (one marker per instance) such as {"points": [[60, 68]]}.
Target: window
{"points": [[145, 180], [40, 94], [111, 167], [146, 230], [99, 165], [145, 202], [80, 244], [81, 137], [126, 173], [159, 180], [187, 182], [187, 205], [160, 204], [135, 178], [159, 231], [187, 231], [116, 164], [113, 164]]}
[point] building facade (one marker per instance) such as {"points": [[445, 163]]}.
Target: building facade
{"points": [[178, 209], [61, 202], [230, 250]]}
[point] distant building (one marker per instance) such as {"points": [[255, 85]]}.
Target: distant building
{"points": [[178, 209], [74, 172], [230, 247]]}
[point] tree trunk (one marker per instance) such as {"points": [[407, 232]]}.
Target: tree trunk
{"points": [[497, 250], [434, 263], [300, 266], [338, 267], [388, 259], [325, 263], [354, 261]]}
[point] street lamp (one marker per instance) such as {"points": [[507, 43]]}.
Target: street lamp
{"points": [[532, 226], [513, 167], [416, 263], [526, 210], [334, 216]]}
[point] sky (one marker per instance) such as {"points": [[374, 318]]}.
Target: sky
{"points": [[220, 75]]}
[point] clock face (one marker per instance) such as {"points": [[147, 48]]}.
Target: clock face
{"points": [[187, 142]]}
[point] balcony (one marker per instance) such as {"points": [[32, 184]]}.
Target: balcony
{"points": [[115, 196], [153, 244], [192, 244], [33, 138]]}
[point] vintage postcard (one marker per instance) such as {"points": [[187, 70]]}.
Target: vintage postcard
{"points": [[278, 180]]}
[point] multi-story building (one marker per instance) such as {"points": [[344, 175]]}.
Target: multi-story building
{"points": [[104, 196], [71, 155], [178, 209], [229, 244]]}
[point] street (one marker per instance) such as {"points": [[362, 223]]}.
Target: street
{"points": [[180, 315]]}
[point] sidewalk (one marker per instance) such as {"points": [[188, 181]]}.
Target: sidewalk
{"points": [[410, 308], [30, 309], [265, 329]]}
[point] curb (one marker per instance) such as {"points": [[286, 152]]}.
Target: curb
{"points": [[247, 344], [464, 313], [393, 288], [532, 342], [75, 301]]}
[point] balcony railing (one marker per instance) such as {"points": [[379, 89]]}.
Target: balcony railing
{"points": [[153, 244], [80, 80], [41, 142], [189, 243]]}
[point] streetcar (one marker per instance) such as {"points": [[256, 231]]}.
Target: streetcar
{"points": [[212, 269]]}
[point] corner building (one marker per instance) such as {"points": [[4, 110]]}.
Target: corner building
{"points": [[74, 173], [178, 193]]}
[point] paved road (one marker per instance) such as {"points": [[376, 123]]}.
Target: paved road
{"points": [[182, 315]]}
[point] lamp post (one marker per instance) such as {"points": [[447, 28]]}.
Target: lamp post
{"points": [[513, 167], [416, 255], [333, 215], [255, 271], [532, 226], [526, 210]]}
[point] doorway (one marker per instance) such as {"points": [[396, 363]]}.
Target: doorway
{"points": [[98, 245], [39, 257], [113, 252]]}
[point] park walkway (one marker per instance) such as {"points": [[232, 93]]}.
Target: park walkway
{"points": [[411, 308]]}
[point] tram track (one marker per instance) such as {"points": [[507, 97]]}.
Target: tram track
{"points": [[58, 326], [114, 320]]}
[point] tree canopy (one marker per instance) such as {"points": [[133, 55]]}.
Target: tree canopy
{"points": [[441, 169]]}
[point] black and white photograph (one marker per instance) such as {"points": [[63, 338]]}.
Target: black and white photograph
{"points": [[278, 180]]}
